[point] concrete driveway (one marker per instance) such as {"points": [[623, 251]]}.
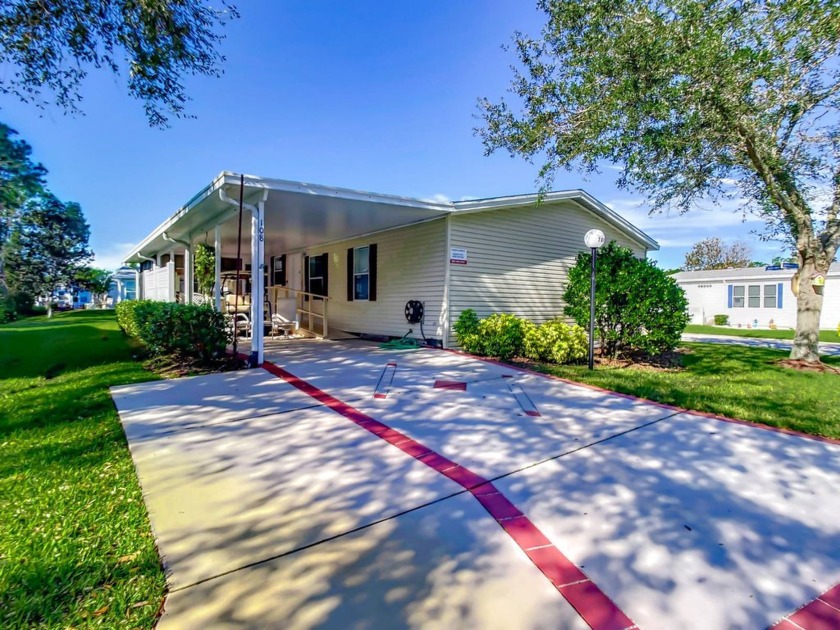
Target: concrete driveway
{"points": [[349, 487]]}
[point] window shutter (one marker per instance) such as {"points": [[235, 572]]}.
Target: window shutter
{"points": [[282, 280], [372, 270], [306, 274], [271, 270], [779, 295], [349, 274], [326, 262], [730, 295]]}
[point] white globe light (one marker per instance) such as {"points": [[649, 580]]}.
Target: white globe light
{"points": [[594, 239]]}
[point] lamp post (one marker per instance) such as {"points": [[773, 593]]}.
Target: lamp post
{"points": [[593, 239]]}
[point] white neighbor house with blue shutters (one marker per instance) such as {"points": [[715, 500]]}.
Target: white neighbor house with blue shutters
{"points": [[754, 296]]}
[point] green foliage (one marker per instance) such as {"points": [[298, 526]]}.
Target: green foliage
{"points": [[48, 242], [638, 307], [467, 332], [157, 43], [556, 342], [186, 331], [205, 267], [721, 320], [502, 335], [126, 312], [97, 281], [8, 312], [694, 101]]}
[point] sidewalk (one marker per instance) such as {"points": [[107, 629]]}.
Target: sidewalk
{"points": [[831, 349]]}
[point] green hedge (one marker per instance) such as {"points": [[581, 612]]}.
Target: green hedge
{"points": [[506, 336], [556, 342], [187, 331], [721, 320]]}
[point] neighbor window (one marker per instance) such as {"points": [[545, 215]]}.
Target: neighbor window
{"points": [[754, 294], [738, 296], [361, 273], [769, 296]]}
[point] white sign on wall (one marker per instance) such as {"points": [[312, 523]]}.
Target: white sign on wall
{"points": [[457, 255]]}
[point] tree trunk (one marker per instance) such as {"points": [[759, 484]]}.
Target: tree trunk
{"points": [[808, 310]]}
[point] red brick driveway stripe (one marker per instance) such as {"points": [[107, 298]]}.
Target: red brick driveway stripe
{"points": [[596, 609], [822, 613]]}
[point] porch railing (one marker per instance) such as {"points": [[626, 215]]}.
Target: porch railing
{"points": [[310, 310]]}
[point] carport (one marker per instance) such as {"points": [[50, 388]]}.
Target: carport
{"points": [[289, 215], [348, 486]]}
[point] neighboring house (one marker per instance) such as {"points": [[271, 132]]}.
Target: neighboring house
{"points": [[351, 260], [123, 285], [754, 296]]}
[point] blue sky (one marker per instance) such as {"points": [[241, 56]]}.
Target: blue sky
{"points": [[367, 95]]}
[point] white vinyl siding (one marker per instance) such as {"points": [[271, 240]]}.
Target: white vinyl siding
{"points": [[410, 266], [518, 258]]}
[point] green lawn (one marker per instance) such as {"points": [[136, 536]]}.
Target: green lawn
{"points": [[76, 548], [825, 335], [734, 381]]}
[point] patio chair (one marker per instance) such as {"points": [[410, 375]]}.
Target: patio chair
{"points": [[284, 320], [239, 323]]}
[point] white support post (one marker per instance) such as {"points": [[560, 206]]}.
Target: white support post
{"points": [[257, 284], [188, 272], [217, 272]]}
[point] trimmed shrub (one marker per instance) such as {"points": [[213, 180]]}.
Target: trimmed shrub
{"points": [[8, 313], [186, 331], [467, 332], [555, 341], [721, 320], [127, 316], [503, 335], [638, 307]]}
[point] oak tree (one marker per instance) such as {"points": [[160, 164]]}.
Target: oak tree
{"points": [[50, 46], [694, 100]]}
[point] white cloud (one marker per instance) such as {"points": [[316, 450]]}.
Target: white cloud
{"points": [[439, 198], [111, 256]]}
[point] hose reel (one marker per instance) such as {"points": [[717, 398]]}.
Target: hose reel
{"points": [[414, 311]]}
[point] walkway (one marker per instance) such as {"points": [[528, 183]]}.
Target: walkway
{"points": [[832, 349], [353, 487]]}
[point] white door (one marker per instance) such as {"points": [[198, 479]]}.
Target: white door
{"points": [[294, 271]]}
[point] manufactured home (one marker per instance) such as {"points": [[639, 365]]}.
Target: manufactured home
{"points": [[340, 261], [756, 297]]}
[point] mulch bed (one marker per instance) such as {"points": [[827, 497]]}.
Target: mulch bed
{"points": [[174, 367]]}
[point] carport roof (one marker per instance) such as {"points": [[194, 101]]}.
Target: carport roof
{"points": [[300, 215]]}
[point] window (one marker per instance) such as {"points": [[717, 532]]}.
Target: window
{"points": [[738, 296], [278, 271], [769, 296], [361, 273], [317, 266], [754, 295]]}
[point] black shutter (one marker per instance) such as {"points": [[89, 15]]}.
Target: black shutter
{"points": [[372, 271], [271, 278], [306, 275], [349, 274], [326, 263], [282, 279]]}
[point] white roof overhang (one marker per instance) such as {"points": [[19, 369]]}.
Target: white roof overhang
{"points": [[298, 215]]}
